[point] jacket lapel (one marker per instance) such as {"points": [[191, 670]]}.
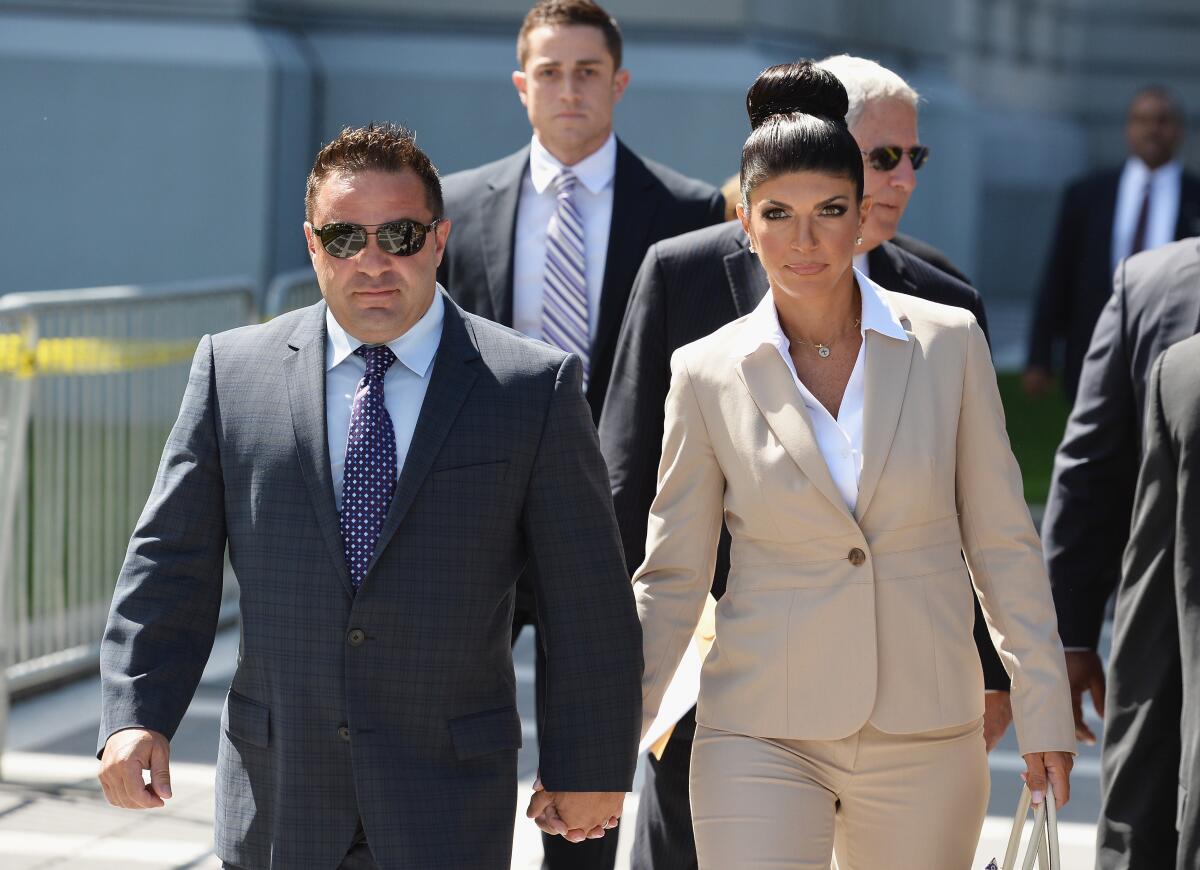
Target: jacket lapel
{"points": [[747, 281], [888, 361], [770, 384], [450, 382], [306, 395], [633, 209], [499, 225]]}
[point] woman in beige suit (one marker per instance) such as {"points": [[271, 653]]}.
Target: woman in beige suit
{"points": [[853, 441]]}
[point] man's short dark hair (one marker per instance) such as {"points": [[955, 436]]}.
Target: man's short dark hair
{"points": [[375, 147], [564, 13]]}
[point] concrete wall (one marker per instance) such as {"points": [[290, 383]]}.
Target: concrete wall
{"points": [[169, 139]]}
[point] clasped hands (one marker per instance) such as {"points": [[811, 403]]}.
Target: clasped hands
{"points": [[575, 815]]}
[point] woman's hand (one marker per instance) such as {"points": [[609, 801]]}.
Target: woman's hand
{"points": [[1055, 766]]}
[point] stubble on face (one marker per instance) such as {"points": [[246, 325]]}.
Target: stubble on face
{"points": [[569, 87], [373, 295]]}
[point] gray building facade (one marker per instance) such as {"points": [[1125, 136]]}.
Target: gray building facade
{"points": [[153, 140]]}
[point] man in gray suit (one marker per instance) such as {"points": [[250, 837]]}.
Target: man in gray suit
{"points": [[1155, 303], [1158, 608], [382, 466]]}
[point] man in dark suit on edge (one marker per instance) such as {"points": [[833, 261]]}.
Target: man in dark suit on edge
{"points": [[1105, 217], [548, 240], [692, 285], [381, 466], [1157, 624], [1155, 302]]}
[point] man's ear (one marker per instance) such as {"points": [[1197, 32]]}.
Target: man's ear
{"points": [[441, 234], [620, 83], [520, 82], [310, 239]]}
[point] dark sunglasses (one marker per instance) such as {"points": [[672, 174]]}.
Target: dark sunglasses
{"points": [[401, 238], [885, 158]]}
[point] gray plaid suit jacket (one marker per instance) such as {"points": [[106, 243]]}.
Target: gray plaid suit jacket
{"points": [[409, 722]]}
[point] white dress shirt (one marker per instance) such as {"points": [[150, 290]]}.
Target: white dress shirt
{"points": [[404, 385], [839, 440], [1166, 184], [860, 264], [594, 199]]}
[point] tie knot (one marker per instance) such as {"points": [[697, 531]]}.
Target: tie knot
{"points": [[564, 182], [379, 358]]}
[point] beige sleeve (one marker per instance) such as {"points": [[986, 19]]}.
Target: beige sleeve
{"points": [[681, 540], [1005, 560]]}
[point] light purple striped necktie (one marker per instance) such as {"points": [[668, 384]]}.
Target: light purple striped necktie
{"points": [[564, 299], [369, 475]]}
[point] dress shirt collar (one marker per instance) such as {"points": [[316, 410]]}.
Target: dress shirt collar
{"points": [[595, 172], [764, 328], [1139, 174], [415, 348]]}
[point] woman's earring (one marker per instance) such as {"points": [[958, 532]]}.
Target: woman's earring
{"points": [[858, 241], [752, 251]]}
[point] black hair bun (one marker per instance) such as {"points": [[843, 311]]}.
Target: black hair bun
{"points": [[799, 87]]}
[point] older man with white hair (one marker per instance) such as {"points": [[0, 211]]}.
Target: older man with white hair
{"points": [[692, 285]]}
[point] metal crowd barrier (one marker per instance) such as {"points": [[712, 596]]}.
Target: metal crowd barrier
{"points": [[90, 385], [291, 290]]}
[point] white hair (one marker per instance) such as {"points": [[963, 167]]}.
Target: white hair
{"points": [[866, 81]]}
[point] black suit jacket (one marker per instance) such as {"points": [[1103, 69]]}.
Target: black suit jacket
{"points": [[929, 254], [1156, 638], [1078, 277], [687, 288], [1155, 303], [650, 202]]}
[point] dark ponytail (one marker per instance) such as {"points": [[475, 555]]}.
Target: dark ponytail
{"points": [[798, 119]]}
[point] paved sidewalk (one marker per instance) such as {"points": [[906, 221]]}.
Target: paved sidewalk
{"points": [[53, 814]]}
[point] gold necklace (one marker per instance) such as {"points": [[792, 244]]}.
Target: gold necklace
{"points": [[825, 349]]}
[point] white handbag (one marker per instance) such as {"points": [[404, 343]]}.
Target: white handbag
{"points": [[1043, 845]]}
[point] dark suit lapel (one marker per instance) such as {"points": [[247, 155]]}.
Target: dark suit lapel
{"points": [[889, 270], [1188, 223], [499, 226], [888, 361], [634, 206], [449, 383], [306, 395], [748, 282]]}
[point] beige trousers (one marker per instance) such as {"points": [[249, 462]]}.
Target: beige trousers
{"points": [[878, 801]]}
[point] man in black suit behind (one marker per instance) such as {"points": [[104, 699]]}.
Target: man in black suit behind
{"points": [[1161, 570], [692, 285], [1155, 303], [1105, 217], [499, 262]]}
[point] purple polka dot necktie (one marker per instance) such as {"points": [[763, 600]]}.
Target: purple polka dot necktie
{"points": [[369, 475]]}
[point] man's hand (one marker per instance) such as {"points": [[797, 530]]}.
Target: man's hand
{"points": [[575, 815], [126, 754], [1037, 381], [1085, 673], [997, 715], [1055, 766]]}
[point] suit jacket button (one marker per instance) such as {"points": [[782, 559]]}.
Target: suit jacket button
{"points": [[344, 733], [856, 557], [356, 636]]}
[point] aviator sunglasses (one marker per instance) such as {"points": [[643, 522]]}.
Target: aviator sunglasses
{"points": [[401, 238], [885, 158]]}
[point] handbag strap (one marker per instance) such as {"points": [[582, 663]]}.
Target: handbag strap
{"points": [[1043, 845]]}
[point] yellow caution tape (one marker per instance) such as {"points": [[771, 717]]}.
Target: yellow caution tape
{"points": [[89, 356]]}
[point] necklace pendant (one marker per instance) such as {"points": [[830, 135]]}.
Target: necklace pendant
{"points": [[822, 351]]}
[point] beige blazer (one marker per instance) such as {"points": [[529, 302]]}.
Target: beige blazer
{"points": [[832, 620]]}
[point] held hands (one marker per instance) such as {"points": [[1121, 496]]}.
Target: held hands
{"points": [[575, 815], [126, 754], [1085, 673], [1053, 766]]}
